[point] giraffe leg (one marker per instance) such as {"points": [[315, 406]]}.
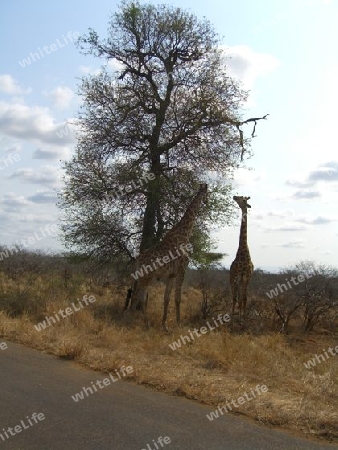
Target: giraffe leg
{"points": [[244, 292], [139, 300], [233, 300], [128, 297], [145, 316], [126, 305], [234, 285], [240, 301], [178, 291], [168, 289], [178, 288], [143, 306], [135, 295], [234, 291], [245, 297]]}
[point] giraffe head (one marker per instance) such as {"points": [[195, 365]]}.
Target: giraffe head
{"points": [[242, 202]]}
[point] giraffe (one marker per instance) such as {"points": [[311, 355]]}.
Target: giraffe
{"points": [[168, 259], [241, 268]]}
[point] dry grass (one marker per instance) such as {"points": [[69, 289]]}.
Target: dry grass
{"points": [[217, 367]]}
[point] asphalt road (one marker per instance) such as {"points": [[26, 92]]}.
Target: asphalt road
{"points": [[120, 416]]}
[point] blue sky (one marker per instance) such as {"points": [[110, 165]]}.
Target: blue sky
{"points": [[284, 52]]}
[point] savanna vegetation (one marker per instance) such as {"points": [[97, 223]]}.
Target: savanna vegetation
{"points": [[216, 367]]}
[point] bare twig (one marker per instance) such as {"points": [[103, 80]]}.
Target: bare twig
{"points": [[239, 124]]}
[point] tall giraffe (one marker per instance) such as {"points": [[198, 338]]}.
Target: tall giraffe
{"points": [[168, 259], [241, 268]]}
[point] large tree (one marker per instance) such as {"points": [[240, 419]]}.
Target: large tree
{"points": [[150, 131]]}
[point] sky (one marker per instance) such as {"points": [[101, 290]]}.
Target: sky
{"points": [[284, 52]]}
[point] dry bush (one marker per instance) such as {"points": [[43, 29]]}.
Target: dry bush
{"points": [[71, 346]]}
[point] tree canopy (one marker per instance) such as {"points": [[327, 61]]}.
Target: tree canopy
{"points": [[166, 118]]}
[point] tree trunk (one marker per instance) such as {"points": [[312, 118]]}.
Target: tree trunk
{"points": [[150, 236]]}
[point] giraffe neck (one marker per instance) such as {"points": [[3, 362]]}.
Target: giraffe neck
{"points": [[243, 236], [184, 227]]}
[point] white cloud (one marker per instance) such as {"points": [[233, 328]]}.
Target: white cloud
{"points": [[51, 153], [288, 226], [9, 86], [247, 65], [46, 175], [13, 148], [296, 243], [288, 220], [32, 123], [114, 65], [281, 214], [12, 202], [89, 70], [305, 195], [288, 215], [325, 172], [324, 178], [245, 178], [21, 222], [61, 96], [44, 197], [318, 220]]}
